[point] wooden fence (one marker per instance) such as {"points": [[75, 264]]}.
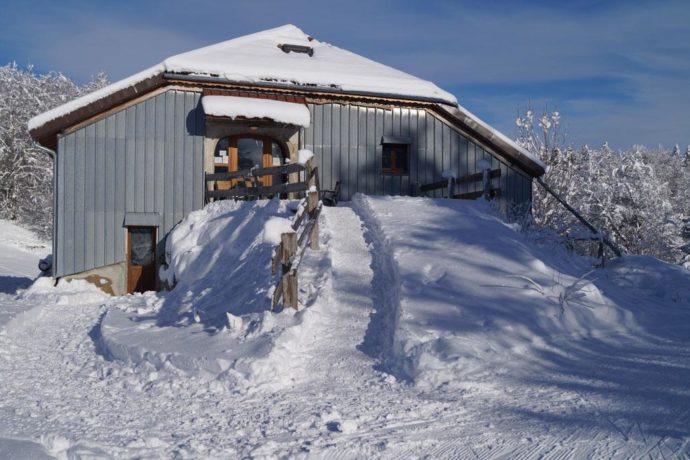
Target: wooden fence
{"points": [[451, 183], [248, 183], [289, 253], [487, 191]]}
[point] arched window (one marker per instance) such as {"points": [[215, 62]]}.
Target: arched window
{"points": [[245, 151]]}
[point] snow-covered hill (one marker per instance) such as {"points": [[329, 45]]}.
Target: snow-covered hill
{"points": [[427, 328]]}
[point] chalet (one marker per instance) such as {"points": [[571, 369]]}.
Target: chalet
{"points": [[132, 159]]}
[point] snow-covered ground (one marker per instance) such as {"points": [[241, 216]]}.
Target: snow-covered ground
{"points": [[427, 328], [20, 252]]}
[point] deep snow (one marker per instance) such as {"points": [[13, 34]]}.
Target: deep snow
{"points": [[449, 334]]}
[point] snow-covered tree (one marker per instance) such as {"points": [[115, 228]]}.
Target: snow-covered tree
{"points": [[545, 140], [640, 198], [25, 168]]}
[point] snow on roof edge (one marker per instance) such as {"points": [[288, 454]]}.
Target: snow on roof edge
{"points": [[199, 62], [235, 106], [499, 135], [65, 109]]}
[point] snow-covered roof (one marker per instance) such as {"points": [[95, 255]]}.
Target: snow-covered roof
{"points": [[39, 120], [283, 56], [258, 58], [492, 134], [248, 107]]}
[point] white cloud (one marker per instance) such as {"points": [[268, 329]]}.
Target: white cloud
{"points": [[646, 45]]}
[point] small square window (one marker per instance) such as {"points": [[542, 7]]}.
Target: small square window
{"points": [[394, 160]]}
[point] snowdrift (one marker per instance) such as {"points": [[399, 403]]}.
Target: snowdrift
{"points": [[219, 261], [464, 295], [216, 321], [447, 300]]}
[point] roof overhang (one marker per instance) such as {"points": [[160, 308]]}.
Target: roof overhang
{"points": [[249, 108], [303, 89], [502, 144], [46, 134]]}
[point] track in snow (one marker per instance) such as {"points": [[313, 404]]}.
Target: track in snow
{"points": [[340, 402]]}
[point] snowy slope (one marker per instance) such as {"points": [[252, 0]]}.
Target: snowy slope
{"points": [[468, 295], [447, 335]]}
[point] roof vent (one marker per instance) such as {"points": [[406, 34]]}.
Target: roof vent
{"points": [[297, 49]]}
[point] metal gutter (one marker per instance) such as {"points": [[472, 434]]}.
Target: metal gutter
{"points": [[51, 153]]}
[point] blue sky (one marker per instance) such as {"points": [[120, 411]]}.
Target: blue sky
{"points": [[617, 71]]}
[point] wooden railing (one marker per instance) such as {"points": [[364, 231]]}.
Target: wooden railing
{"points": [[249, 182], [451, 183], [289, 253], [487, 191]]}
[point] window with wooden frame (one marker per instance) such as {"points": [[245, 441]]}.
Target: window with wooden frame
{"points": [[245, 151], [394, 159]]}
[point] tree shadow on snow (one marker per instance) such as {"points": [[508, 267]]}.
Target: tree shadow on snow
{"points": [[631, 384], [633, 390]]}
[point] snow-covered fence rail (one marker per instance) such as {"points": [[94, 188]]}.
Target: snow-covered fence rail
{"points": [[304, 232], [451, 183], [248, 182]]}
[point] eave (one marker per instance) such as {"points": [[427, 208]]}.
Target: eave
{"points": [[46, 135]]}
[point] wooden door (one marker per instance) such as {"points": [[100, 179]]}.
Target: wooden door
{"points": [[141, 259]]}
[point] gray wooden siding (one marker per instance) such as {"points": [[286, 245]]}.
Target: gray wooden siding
{"points": [[346, 141], [145, 158]]}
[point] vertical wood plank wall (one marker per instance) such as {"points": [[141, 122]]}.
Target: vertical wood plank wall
{"points": [[149, 158], [145, 158], [346, 141]]}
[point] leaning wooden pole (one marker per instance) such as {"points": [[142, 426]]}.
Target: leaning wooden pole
{"points": [[572, 210]]}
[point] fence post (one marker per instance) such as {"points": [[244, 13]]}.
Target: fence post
{"points": [[312, 204], [486, 183], [601, 253], [451, 186], [288, 243], [309, 172]]}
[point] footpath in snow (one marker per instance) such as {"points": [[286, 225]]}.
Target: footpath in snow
{"points": [[447, 335]]}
